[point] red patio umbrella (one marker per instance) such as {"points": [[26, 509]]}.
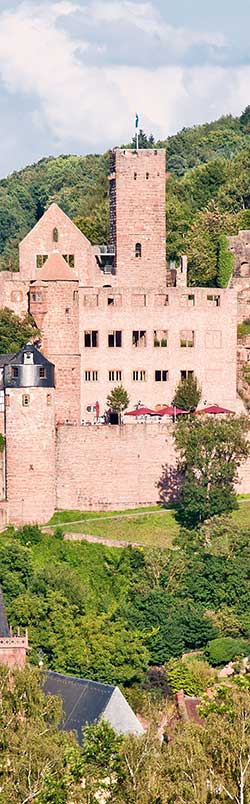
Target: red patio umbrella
{"points": [[171, 411], [142, 412], [214, 409]]}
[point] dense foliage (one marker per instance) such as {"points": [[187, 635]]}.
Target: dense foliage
{"points": [[210, 452], [105, 613], [205, 763], [15, 332], [208, 194]]}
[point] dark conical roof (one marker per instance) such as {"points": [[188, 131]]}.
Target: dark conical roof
{"points": [[4, 625]]}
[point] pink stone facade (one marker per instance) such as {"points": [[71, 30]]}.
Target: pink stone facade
{"points": [[109, 317]]}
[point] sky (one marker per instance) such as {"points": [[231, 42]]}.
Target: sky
{"points": [[74, 73]]}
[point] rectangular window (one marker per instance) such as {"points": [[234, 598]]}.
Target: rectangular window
{"points": [[14, 372], [213, 300], [115, 376], [25, 400], [186, 375], [188, 300], [36, 297], [91, 376], [41, 259], [70, 259], [139, 375], [42, 373], [90, 300], [160, 337], [49, 399], [115, 300], [187, 338], [138, 299], [161, 300], [115, 338], [90, 338], [139, 338], [161, 376]]}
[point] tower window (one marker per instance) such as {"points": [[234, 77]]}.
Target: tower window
{"points": [[25, 400], [42, 373], [147, 175], [49, 399], [14, 372], [138, 250], [135, 176], [55, 235]]}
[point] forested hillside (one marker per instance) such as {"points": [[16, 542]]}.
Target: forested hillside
{"points": [[207, 194]]}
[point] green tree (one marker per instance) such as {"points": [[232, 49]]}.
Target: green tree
{"points": [[118, 399], [188, 394], [15, 332], [38, 762], [210, 453], [225, 262]]}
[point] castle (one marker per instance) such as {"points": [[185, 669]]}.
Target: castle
{"points": [[108, 315]]}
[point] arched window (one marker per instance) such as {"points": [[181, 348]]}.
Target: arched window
{"points": [[55, 235], [138, 250]]}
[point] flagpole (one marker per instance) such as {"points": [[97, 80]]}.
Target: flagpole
{"points": [[137, 131]]}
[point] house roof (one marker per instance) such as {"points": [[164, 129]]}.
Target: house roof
{"points": [[56, 269], [5, 359], [84, 701], [18, 358], [4, 625]]}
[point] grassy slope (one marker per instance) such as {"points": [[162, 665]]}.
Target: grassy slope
{"points": [[151, 529]]}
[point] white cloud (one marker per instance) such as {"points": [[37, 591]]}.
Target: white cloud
{"points": [[94, 106], [146, 17]]}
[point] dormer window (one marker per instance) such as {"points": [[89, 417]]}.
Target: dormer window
{"points": [[138, 250], [14, 372], [55, 235]]}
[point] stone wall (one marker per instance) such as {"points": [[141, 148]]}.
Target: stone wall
{"points": [[115, 467]]}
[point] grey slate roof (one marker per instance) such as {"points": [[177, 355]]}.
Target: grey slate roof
{"points": [[4, 359], [86, 701], [4, 625]]}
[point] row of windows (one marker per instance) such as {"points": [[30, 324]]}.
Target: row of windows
{"points": [[213, 338], [138, 375], [41, 259], [26, 400], [15, 372], [160, 299]]}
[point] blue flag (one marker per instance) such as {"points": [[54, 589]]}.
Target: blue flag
{"points": [[137, 121]]}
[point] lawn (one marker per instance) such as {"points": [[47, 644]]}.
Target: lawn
{"points": [[152, 527]]}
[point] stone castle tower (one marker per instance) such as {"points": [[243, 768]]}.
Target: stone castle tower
{"points": [[29, 429], [138, 216]]}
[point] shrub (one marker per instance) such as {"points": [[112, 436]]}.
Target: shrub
{"points": [[192, 675], [223, 650], [29, 534]]}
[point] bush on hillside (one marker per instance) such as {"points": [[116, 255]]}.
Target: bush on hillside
{"points": [[225, 649]]}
